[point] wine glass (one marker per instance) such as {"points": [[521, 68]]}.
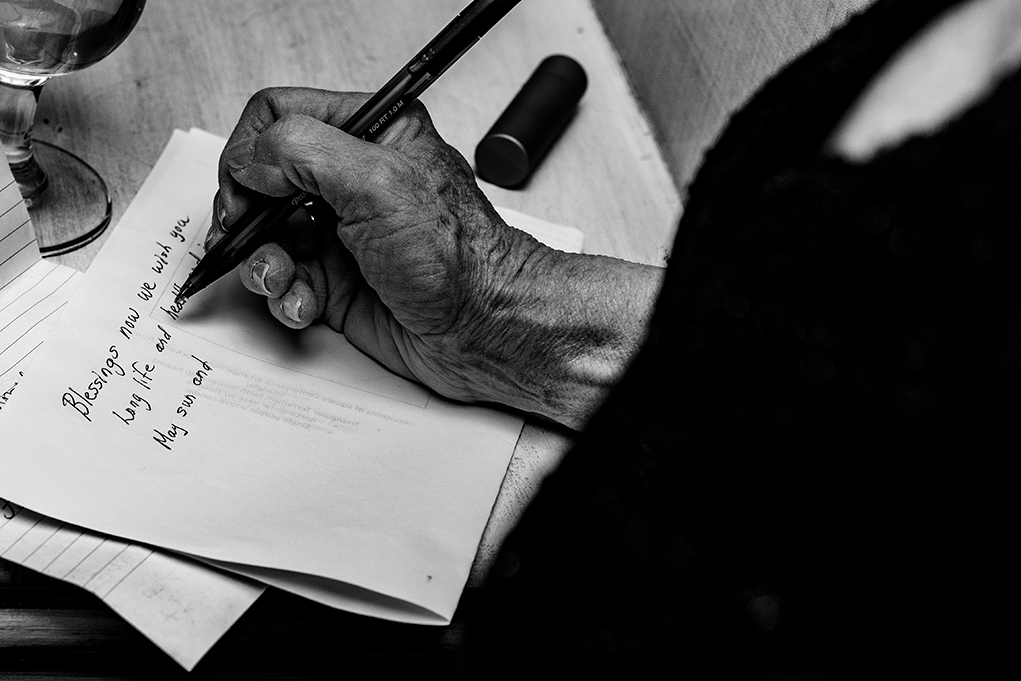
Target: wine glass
{"points": [[40, 39]]}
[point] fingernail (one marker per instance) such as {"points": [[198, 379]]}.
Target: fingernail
{"points": [[291, 306], [211, 237], [240, 154], [221, 213], [259, 270]]}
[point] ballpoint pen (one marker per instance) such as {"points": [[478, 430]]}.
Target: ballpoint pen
{"points": [[367, 122]]}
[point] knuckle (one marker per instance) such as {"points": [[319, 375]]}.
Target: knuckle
{"points": [[268, 95], [259, 105], [266, 106], [296, 145], [295, 127], [390, 178], [418, 112]]}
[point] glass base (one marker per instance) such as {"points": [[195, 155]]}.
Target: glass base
{"points": [[75, 209]]}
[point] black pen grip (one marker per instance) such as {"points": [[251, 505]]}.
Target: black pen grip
{"points": [[232, 249], [265, 212], [370, 119]]}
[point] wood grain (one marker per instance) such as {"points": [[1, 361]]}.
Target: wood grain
{"points": [[708, 57], [196, 63]]}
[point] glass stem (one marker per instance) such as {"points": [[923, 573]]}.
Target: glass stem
{"points": [[17, 114]]}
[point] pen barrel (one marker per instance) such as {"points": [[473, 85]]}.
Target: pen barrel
{"points": [[531, 123], [370, 119]]}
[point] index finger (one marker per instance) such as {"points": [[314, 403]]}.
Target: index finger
{"points": [[262, 110]]}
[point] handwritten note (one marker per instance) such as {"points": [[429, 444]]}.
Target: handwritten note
{"points": [[181, 605], [213, 431]]}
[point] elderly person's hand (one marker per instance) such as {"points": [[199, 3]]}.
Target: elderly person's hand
{"points": [[420, 271]]}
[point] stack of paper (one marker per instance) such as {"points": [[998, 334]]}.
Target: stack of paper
{"points": [[212, 431], [182, 605]]}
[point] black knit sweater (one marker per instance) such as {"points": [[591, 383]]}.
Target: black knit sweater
{"points": [[804, 472]]}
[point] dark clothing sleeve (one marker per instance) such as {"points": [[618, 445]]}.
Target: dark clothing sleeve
{"points": [[804, 472]]}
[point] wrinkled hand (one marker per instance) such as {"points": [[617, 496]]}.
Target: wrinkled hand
{"points": [[406, 272], [420, 271]]}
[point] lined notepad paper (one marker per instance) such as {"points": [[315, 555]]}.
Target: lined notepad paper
{"points": [[182, 606]]}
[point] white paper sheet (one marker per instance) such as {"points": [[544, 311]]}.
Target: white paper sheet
{"points": [[182, 606], [216, 432]]}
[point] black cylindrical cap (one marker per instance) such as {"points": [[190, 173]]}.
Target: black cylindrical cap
{"points": [[533, 120]]}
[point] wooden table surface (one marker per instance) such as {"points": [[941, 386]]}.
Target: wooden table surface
{"points": [[195, 63]]}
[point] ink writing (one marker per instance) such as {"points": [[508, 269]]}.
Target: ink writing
{"points": [[8, 510], [142, 376], [177, 231], [174, 311], [200, 374], [134, 405], [163, 339], [186, 403], [5, 396], [128, 327], [161, 256], [166, 439], [84, 399], [145, 291]]}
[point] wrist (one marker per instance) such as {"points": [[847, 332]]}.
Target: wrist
{"points": [[551, 332]]}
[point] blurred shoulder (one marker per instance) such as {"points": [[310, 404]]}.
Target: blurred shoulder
{"points": [[946, 68]]}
